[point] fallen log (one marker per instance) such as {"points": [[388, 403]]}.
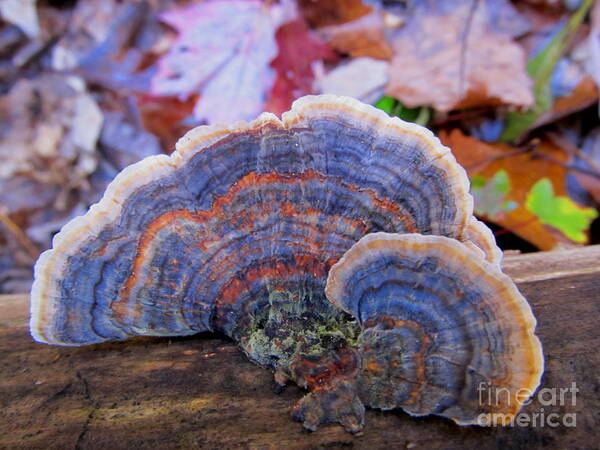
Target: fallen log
{"points": [[202, 392]]}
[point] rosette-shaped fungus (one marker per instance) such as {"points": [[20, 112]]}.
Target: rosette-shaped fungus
{"points": [[236, 231], [443, 331]]}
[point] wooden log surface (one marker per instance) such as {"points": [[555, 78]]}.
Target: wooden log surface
{"points": [[201, 392]]}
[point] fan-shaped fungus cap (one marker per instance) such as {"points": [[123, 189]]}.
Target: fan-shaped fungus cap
{"points": [[443, 331], [199, 239], [480, 238]]}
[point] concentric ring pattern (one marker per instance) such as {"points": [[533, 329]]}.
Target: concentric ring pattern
{"points": [[180, 244], [236, 232], [443, 331]]}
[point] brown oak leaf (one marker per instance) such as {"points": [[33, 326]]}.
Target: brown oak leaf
{"points": [[460, 54], [332, 12], [364, 36]]}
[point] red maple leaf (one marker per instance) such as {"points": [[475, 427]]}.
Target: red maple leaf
{"points": [[298, 48]]}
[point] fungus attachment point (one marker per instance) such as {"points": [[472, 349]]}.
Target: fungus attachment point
{"points": [[442, 331]]}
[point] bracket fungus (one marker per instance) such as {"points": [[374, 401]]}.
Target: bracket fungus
{"points": [[442, 331], [236, 232]]}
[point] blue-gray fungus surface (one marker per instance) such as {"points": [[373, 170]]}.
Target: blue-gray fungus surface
{"points": [[237, 230]]}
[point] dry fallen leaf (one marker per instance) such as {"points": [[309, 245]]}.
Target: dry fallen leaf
{"points": [[332, 12], [582, 96], [524, 169], [364, 36], [115, 63], [89, 26], [223, 52], [452, 55], [362, 78], [49, 130], [49, 127], [165, 117], [351, 27], [298, 49], [23, 14], [122, 143]]}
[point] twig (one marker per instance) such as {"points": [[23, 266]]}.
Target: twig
{"points": [[18, 234], [464, 39], [461, 115], [573, 149], [552, 159], [519, 151]]}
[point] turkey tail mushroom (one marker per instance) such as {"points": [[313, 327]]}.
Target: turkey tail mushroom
{"points": [[185, 243], [443, 331], [236, 231], [480, 238]]}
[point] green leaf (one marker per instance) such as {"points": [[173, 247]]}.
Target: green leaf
{"points": [[386, 104], [559, 211], [490, 195], [393, 107], [540, 69]]}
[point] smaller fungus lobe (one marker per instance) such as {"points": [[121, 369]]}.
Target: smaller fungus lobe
{"points": [[439, 327]]}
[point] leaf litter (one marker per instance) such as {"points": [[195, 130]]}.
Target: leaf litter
{"points": [[88, 87]]}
